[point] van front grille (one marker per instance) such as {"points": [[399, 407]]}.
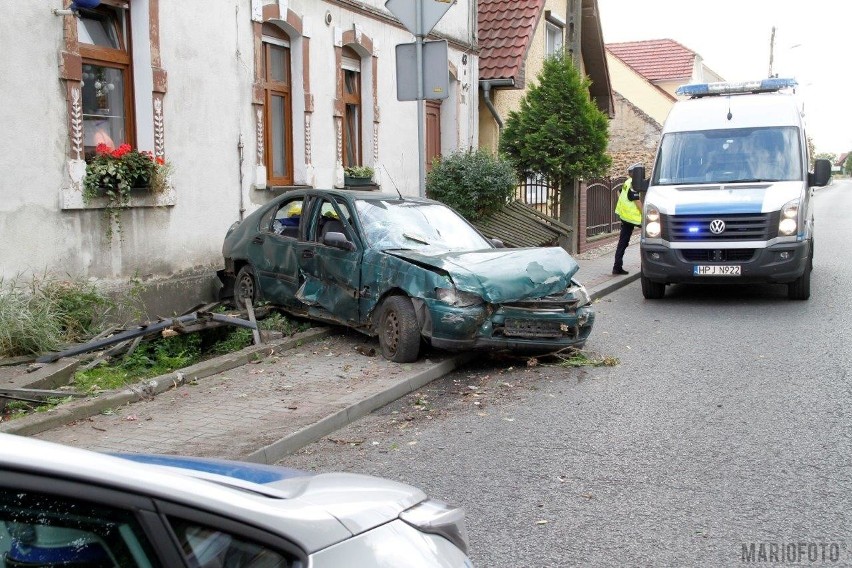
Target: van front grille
{"points": [[736, 227]]}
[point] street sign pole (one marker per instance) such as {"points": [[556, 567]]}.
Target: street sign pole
{"points": [[421, 106], [419, 17]]}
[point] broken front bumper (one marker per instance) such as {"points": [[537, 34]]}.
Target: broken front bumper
{"points": [[506, 327]]}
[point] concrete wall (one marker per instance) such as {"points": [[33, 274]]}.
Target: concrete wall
{"points": [[653, 101], [173, 242]]}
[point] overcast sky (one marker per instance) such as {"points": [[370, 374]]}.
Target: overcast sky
{"points": [[812, 44]]}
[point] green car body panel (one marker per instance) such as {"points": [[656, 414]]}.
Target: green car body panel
{"points": [[519, 299]]}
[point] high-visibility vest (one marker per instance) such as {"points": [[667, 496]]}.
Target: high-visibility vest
{"points": [[625, 208]]}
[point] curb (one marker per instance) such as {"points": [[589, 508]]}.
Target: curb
{"points": [[607, 288], [292, 442], [79, 410]]}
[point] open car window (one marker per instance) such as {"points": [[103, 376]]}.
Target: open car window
{"points": [[286, 219]]}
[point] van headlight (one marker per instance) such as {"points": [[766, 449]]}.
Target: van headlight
{"points": [[653, 229], [789, 223], [455, 297]]}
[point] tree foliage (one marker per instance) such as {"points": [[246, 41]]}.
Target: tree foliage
{"points": [[847, 165], [831, 157], [558, 131], [475, 183]]}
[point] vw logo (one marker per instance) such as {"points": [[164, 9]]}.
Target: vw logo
{"points": [[717, 226]]}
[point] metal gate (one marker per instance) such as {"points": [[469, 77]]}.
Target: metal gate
{"points": [[540, 193], [601, 197]]}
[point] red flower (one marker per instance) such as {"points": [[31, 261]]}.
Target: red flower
{"points": [[102, 149], [161, 161], [120, 151]]}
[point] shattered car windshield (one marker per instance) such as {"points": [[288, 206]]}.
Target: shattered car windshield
{"points": [[416, 225], [729, 156]]}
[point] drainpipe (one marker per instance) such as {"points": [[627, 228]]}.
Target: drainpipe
{"points": [[486, 85]]}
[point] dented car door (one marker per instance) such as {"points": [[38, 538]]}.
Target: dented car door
{"points": [[330, 274]]}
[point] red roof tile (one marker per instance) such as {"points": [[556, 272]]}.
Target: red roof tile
{"points": [[656, 59], [505, 31]]}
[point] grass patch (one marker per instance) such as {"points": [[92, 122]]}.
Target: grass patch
{"points": [[577, 358], [45, 313]]}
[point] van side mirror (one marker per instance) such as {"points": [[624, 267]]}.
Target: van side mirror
{"points": [[637, 177], [498, 243], [822, 173]]}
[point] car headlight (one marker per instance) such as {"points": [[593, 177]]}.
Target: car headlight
{"points": [[789, 223], [653, 229], [436, 517], [455, 297], [580, 293]]}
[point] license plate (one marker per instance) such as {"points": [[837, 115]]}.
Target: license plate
{"points": [[717, 270]]}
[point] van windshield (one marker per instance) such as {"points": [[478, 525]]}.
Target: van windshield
{"points": [[729, 156]]}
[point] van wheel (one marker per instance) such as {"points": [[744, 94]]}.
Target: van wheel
{"points": [[399, 334], [245, 286], [800, 288], [652, 290]]}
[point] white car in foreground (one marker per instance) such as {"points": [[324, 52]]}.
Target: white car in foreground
{"points": [[63, 506]]}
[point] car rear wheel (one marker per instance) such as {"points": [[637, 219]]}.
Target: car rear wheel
{"points": [[245, 287], [652, 290], [399, 334]]}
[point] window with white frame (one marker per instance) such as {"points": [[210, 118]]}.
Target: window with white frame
{"points": [[554, 39]]}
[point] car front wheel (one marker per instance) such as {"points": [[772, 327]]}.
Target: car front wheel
{"points": [[399, 334], [245, 287]]}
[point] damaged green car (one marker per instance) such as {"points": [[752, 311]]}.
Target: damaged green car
{"points": [[405, 269]]}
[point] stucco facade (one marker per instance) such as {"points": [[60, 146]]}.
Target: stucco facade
{"points": [[506, 100], [197, 104]]}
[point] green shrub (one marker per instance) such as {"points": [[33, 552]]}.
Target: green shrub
{"points": [[474, 182], [46, 313]]}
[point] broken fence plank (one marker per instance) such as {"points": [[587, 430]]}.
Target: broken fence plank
{"points": [[251, 323], [39, 392], [255, 334], [118, 338]]}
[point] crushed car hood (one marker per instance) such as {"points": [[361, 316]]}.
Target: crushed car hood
{"points": [[501, 275]]}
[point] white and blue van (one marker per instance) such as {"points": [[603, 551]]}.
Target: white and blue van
{"points": [[729, 198]]}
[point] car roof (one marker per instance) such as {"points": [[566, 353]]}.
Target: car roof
{"points": [[357, 195], [312, 511]]}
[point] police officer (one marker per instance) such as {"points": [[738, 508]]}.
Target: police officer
{"points": [[629, 210]]}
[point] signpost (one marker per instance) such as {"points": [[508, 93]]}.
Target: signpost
{"points": [[419, 17]]}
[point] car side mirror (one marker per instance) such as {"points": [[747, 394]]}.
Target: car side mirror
{"points": [[497, 243], [338, 240], [637, 177], [822, 173]]}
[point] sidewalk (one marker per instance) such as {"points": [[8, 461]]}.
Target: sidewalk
{"points": [[268, 401]]}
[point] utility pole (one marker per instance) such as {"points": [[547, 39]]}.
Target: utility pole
{"points": [[771, 50]]}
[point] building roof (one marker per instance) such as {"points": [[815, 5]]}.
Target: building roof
{"points": [[656, 59], [841, 159], [505, 32]]}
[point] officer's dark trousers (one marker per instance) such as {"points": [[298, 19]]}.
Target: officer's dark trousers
{"points": [[623, 241]]}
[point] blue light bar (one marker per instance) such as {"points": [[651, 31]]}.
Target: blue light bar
{"points": [[761, 86]]}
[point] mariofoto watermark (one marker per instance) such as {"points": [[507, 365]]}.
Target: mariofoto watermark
{"points": [[795, 553]]}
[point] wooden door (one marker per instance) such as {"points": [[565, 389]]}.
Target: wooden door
{"points": [[433, 132]]}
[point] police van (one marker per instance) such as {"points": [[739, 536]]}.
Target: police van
{"points": [[729, 198]]}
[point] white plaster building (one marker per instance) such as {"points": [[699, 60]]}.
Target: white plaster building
{"points": [[245, 98]]}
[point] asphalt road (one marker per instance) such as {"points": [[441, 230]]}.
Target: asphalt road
{"points": [[726, 424]]}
